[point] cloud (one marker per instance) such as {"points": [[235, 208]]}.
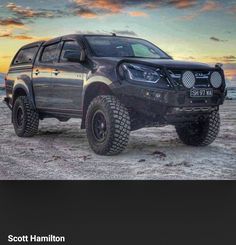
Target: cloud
{"points": [[190, 16], [107, 6], [21, 11], [183, 4], [86, 13], [229, 58], [226, 59], [137, 14], [179, 4], [28, 13], [215, 39], [232, 10], [91, 9], [186, 57], [22, 37], [151, 5], [13, 22], [4, 35], [101, 7], [210, 6]]}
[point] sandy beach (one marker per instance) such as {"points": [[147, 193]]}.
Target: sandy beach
{"points": [[61, 151]]}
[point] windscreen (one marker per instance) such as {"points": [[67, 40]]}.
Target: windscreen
{"points": [[112, 46]]}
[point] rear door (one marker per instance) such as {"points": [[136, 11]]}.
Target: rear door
{"points": [[67, 80], [21, 69], [42, 75]]}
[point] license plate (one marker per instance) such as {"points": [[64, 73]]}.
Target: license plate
{"points": [[201, 92]]}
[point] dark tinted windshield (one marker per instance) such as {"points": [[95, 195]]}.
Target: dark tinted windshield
{"points": [[111, 46]]}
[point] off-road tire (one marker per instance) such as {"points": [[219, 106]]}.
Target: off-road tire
{"points": [[30, 118], [201, 133], [117, 125]]}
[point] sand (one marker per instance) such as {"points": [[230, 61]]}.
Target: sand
{"points": [[61, 151]]}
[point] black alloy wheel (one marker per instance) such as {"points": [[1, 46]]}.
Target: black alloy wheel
{"points": [[99, 126]]}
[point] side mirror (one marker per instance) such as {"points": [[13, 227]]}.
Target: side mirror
{"points": [[74, 56]]}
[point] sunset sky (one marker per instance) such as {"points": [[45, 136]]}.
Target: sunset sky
{"points": [[192, 30]]}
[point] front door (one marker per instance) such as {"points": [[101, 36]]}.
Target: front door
{"points": [[67, 80]]}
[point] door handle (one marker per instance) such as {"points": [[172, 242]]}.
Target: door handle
{"points": [[56, 72], [36, 72]]}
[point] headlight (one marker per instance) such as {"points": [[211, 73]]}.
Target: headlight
{"points": [[141, 73], [216, 79]]}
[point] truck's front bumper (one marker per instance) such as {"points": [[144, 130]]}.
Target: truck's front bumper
{"points": [[169, 105]]}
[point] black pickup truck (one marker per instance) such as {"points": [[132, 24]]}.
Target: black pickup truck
{"points": [[115, 85]]}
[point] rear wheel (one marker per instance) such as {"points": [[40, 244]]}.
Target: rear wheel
{"points": [[200, 133], [25, 118], [107, 125]]}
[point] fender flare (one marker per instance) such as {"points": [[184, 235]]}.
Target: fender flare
{"points": [[26, 85], [88, 83], [93, 80]]}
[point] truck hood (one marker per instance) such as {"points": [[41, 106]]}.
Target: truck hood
{"points": [[169, 63]]}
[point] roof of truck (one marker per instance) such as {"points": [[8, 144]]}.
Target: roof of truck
{"points": [[66, 37]]}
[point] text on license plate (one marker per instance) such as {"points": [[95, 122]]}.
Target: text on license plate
{"points": [[201, 93]]}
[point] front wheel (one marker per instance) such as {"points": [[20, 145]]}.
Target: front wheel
{"points": [[107, 125], [200, 133]]}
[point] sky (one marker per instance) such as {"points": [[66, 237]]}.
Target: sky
{"points": [[192, 30]]}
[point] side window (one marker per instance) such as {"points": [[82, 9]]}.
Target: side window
{"points": [[70, 47], [50, 53], [143, 51], [26, 56]]}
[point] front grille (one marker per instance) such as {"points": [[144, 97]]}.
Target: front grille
{"points": [[202, 78]]}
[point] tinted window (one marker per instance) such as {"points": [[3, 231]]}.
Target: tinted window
{"points": [[70, 46], [110, 46], [50, 53], [26, 56]]}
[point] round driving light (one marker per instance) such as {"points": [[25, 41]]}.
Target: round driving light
{"points": [[216, 79], [188, 79]]}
